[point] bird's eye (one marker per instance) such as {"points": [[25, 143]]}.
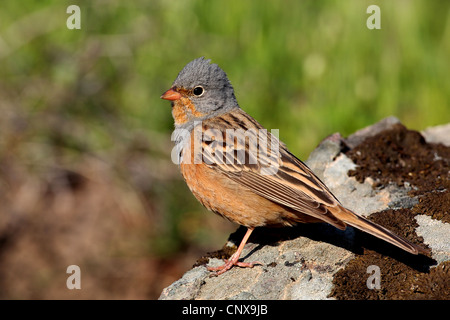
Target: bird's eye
{"points": [[198, 91]]}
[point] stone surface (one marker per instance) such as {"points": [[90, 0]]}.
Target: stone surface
{"points": [[436, 234], [301, 262], [438, 134]]}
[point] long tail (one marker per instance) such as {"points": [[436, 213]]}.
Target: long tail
{"points": [[376, 230]]}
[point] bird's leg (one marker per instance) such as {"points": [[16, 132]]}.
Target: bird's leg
{"points": [[235, 257]]}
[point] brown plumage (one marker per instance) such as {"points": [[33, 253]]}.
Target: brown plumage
{"points": [[240, 171]]}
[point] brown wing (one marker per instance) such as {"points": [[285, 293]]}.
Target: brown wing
{"points": [[259, 161]]}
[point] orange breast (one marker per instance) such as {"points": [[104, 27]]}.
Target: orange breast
{"points": [[234, 201], [237, 201]]}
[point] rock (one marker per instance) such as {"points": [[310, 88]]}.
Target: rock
{"points": [[438, 134], [434, 232], [187, 287], [310, 261]]}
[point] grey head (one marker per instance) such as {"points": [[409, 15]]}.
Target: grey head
{"points": [[207, 86]]}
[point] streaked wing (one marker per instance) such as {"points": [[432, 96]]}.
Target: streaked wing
{"points": [[268, 169]]}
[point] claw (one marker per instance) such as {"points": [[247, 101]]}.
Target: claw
{"points": [[229, 264], [234, 259]]}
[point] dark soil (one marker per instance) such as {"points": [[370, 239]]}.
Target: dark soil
{"points": [[225, 253], [403, 157]]}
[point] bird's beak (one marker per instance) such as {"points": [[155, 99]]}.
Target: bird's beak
{"points": [[171, 95]]}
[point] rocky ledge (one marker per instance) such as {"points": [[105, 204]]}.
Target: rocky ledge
{"points": [[398, 178]]}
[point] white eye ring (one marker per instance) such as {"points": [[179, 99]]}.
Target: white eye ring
{"points": [[198, 91]]}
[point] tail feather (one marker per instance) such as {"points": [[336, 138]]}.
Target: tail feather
{"points": [[376, 230]]}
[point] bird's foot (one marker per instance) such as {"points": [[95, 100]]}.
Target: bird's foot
{"points": [[229, 264]]}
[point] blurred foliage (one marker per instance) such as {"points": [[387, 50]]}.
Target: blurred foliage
{"points": [[309, 68]]}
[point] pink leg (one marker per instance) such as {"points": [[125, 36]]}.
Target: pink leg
{"points": [[235, 257]]}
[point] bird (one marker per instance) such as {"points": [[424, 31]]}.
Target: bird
{"points": [[239, 170]]}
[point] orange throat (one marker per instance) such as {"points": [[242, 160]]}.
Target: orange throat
{"points": [[183, 110]]}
